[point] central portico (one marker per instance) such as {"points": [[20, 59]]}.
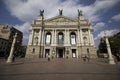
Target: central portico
{"points": [[61, 37], [60, 52]]}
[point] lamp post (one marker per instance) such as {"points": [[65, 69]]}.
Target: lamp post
{"points": [[111, 59], [10, 58]]}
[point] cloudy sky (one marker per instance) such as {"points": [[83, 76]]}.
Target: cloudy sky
{"points": [[104, 15]]}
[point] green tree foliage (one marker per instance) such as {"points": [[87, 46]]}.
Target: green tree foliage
{"points": [[102, 46], [114, 44]]}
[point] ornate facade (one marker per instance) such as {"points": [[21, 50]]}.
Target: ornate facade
{"points": [[61, 37]]}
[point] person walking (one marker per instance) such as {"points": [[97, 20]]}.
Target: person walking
{"points": [[88, 58], [48, 57], [84, 58]]}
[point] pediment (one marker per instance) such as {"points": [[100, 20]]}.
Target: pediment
{"points": [[60, 19]]}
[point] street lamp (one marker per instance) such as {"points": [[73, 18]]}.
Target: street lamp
{"points": [[111, 59], [10, 58]]}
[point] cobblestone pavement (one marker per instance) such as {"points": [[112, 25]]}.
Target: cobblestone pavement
{"points": [[58, 69]]}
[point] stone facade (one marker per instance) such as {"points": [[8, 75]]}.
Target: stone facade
{"points": [[61, 37], [6, 38]]}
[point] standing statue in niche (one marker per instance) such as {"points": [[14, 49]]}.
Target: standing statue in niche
{"points": [[80, 13], [41, 12], [60, 11]]}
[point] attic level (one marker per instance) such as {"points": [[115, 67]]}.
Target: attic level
{"points": [[60, 18]]}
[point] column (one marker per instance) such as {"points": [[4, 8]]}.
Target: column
{"points": [[65, 38], [78, 40], [30, 37], [33, 37], [111, 59], [11, 56], [42, 44], [55, 37], [92, 39], [52, 37], [43, 38], [77, 51], [68, 37], [81, 37], [39, 37], [89, 34]]}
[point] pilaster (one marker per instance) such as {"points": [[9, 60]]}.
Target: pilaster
{"points": [[68, 37], [89, 34], [92, 39], [39, 37], [32, 36], [78, 36], [43, 36], [81, 37], [65, 38], [53, 37]]}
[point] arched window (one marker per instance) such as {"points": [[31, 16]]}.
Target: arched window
{"points": [[73, 38], [48, 38], [60, 38]]}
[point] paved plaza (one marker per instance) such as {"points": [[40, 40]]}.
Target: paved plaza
{"points": [[58, 69]]}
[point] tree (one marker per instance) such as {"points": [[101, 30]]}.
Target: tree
{"points": [[114, 44]]}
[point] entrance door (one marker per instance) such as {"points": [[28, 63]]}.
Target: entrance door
{"points": [[73, 53], [47, 52], [60, 53]]}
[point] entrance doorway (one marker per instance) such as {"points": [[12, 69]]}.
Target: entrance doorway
{"points": [[60, 53], [73, 53], [47, 52]]}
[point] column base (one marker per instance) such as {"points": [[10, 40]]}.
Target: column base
{"points": [[111, 61], [9, 60]]}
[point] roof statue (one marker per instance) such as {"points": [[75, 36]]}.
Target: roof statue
{"points": [[80, 13], [60, 11], [41, 12]]}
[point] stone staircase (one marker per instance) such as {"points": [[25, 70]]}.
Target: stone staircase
{"points": [[57, 60]]}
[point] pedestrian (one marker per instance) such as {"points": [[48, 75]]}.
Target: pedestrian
{"points": [[88, 58], [48, 57]]}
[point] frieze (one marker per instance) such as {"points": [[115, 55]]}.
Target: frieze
{"points": [[61, 23], [61, 20]]}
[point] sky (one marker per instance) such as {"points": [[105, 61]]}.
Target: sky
{"points": [[104, 15]]}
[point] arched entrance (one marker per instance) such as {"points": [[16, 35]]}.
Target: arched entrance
{"points": [[60, 52]]}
